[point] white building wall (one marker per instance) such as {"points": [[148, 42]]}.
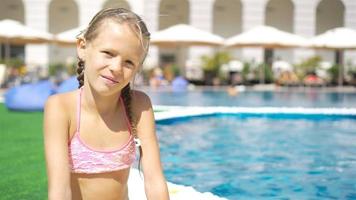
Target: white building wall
{"points": [[201, 16], [87, 10], [36, 16], [137, 6]]}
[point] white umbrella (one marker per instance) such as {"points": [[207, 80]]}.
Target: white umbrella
{"points": [[282, 66], [69, 37], [235, 66], [14, 32], [267, 37], [185, 35], [337, 38]]}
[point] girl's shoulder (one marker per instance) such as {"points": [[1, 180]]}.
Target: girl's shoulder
{"points": [[63, 101], [140, 98], [140, 102]]}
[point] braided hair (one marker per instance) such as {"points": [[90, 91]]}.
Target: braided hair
{"points": [[121, 16]]}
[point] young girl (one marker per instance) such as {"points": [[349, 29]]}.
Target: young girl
{"points": [[90, 134]]}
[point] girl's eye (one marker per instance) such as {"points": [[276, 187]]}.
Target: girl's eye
{"points": [[107, 53], [129, 63]]}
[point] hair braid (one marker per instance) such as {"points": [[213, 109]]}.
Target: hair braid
{"points": [[126, 95], [80, 71]]}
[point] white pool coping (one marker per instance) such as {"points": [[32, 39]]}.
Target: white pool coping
{"points": [[170, 112], [176, 192]]}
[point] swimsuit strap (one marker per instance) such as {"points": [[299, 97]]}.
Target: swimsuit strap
{"points": [[79, 108]]}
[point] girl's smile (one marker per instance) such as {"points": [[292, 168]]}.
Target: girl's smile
{"points": [[109, 80]]}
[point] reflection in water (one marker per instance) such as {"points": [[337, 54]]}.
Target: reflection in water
{"points": [[310, 98]]}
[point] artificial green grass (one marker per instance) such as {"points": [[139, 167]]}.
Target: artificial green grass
{"points": [[22, 165]]}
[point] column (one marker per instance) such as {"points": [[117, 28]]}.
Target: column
{"points": [[304, 25], [87, 10], [201, 16], [150, 16], [36, 16], [137, 6], [253, 14]]}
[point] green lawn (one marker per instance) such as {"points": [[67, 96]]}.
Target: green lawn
{"points": [[22, 167]]}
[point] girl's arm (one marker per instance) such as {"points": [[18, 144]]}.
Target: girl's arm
{"points": [[155, 183], [56, 148]]}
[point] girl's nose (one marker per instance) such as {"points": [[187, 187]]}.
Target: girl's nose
{"points": [[116, 65]]}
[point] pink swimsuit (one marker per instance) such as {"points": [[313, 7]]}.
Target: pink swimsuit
{"points": [[84, 159]]}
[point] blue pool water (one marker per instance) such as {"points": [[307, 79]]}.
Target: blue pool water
{"points": [[262, 157], [304, 98]]}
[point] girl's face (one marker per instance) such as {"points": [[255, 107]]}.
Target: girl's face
{"points": [[112, 58]]}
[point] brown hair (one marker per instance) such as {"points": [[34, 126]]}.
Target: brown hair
{"points": [[120, 15]]}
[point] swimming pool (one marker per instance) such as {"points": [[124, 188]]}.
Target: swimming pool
{"points": [[262, 156], [312, 97]]}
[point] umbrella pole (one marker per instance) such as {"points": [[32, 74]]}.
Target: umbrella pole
{"points": [[181, 60], [7, 52], [339, 54]]}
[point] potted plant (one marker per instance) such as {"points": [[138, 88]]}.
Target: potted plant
{"points": [[211, 66]]}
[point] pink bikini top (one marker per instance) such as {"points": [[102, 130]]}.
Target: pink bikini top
{"points": [[84, 159]]}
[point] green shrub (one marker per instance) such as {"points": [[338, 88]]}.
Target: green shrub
{"points": [[307, 66], [211, 65], [55, 68]]}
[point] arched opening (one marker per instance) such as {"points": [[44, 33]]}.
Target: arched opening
{"points": [[116, 4], [172, 12], [227, 17], [329, 14], [12, 9], [279, 14], [227, 21], [63, 15]]}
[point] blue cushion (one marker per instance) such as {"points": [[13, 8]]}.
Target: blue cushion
{"points": [[29, 97]]}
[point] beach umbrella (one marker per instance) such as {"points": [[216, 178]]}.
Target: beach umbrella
{"points": [[339, 40], [266, 37], [282, 66], [235, 66], [185, 35], [69, 37], [13, 32], [181, 36]]}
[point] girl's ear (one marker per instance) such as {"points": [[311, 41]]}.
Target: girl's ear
{"points": [[81, 45]]}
